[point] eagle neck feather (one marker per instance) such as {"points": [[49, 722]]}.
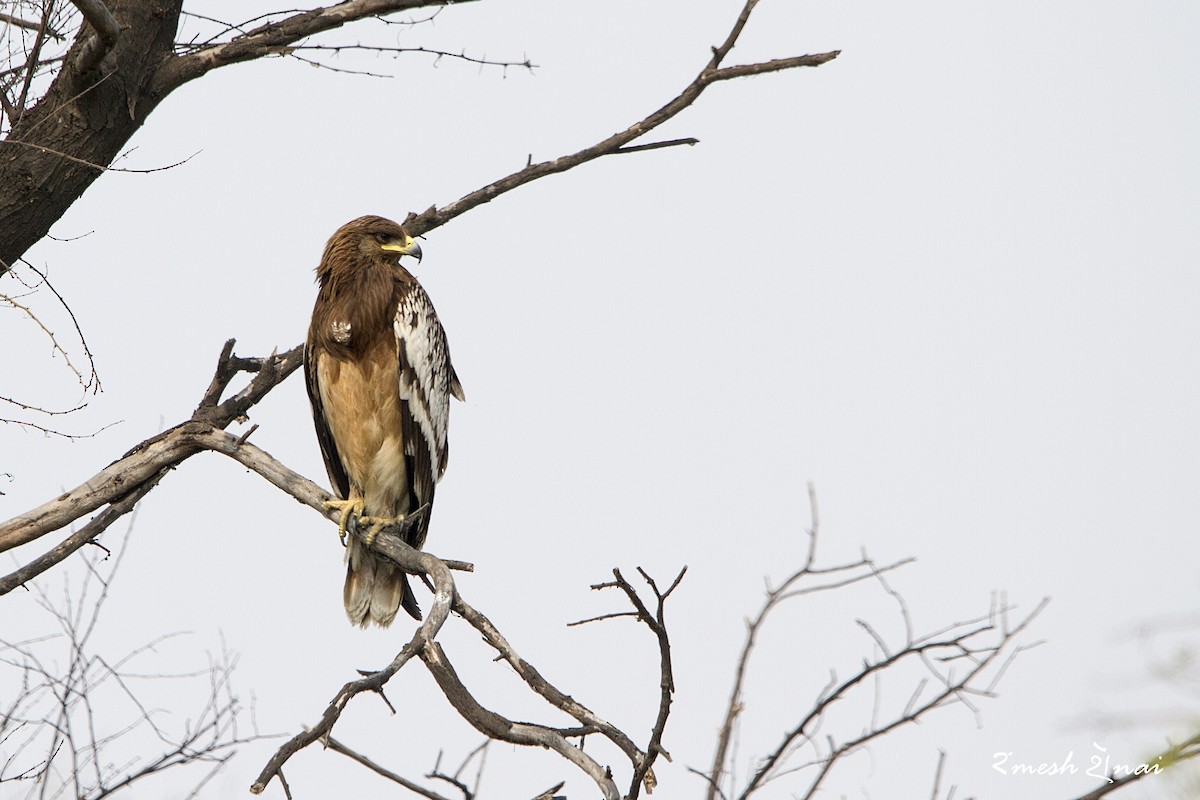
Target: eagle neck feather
{"points": [[362, 295]]}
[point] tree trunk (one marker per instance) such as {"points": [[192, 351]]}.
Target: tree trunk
{"points": [[59, 146]]}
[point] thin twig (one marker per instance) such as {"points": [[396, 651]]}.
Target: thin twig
{"points": [[338, 747]]}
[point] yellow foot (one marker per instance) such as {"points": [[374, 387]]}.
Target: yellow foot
{"points": [[349, 508], [375, 525]]}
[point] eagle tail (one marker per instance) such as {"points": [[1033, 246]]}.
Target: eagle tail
{"points": [[375, 588]]}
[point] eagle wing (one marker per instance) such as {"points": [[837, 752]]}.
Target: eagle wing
{"points": [[338, 478], [427, 381]]}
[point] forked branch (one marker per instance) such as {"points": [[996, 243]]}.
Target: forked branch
{"points": [[621, 142], [144, 466], [961, 661]]}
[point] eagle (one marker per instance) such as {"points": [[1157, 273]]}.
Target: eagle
{"points": [[379, 379]]}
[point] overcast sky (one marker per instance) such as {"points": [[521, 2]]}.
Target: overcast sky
{"points": [[951, 278]]}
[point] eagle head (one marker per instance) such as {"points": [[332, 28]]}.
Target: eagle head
{"points": [[365, 241]]}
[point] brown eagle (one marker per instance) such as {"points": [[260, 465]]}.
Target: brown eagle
{"points": [[379, 379]]}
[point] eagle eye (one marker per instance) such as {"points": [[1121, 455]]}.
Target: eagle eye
{"points": [[383, 238]]}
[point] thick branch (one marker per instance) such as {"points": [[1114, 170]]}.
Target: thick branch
{"points": [[497, 727], [146, 462], [273, 38], [88, 533], [58, 147], [528, 673], [102, 41]]}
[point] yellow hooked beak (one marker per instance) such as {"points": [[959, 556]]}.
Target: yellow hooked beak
{"points": [[408, 247]]}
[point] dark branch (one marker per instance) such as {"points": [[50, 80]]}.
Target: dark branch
{"points": [[418, 224], [98, 45], [638, 148], [1184, 751], [31, 63], [274, 38], [30, 26]]}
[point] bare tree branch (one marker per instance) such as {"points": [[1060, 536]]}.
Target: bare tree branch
{"points": [[89, 383], [338, 747], [528, 673], [644, 773], [31, 63], [1175, 754], [979, 643], [414, 562], [28, 25], [146, 461], [495, 726], [418, 224], [396, 51], [88, 533], [64, 682], [275, 37]]}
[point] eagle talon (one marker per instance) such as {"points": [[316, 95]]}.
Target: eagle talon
{"points": [[375, 525], [349, 508]]}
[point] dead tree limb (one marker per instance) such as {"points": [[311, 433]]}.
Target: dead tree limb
{"points": [[621, 142], [379, 769], [146, 463], [960, 661], [54, 737], [643, 774]]}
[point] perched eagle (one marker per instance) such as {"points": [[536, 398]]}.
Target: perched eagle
{"points": [[379, 379]]}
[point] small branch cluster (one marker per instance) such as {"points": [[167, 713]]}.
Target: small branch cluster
{"points": [[960, 662], [85, 376], [33, 42], [52, 736], [643, 774]]}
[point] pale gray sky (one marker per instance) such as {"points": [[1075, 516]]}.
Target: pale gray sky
{"points": [[951, 278]]}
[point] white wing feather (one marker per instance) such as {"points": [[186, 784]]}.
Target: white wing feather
{"points": [[426, 384]]}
